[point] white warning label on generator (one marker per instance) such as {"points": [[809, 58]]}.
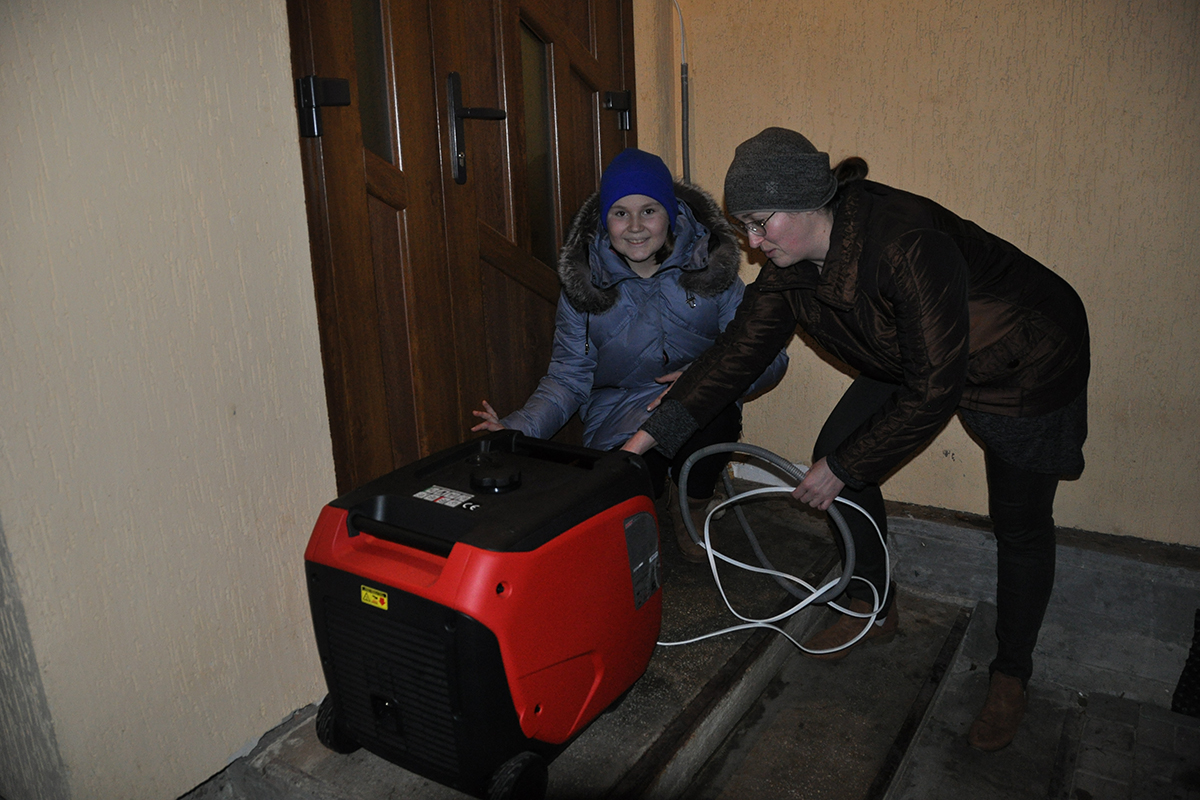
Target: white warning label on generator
{"points": [[443, 496]]}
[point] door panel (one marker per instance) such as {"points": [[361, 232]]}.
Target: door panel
{"points": [[483, 86], [510, 370], [434, 295], [392, 273], [554, 151], [579, 123], [428, 284], [341, 246], [536, 181], [375, 107]]}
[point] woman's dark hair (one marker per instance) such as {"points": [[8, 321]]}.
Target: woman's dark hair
{"points": [[848, 170]]}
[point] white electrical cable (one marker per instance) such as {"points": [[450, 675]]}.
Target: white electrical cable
{"points": [[715, 555]]}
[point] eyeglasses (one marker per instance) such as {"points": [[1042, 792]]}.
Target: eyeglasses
{"points": [[755, 227]]}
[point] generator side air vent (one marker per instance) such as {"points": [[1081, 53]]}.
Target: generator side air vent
{"points": [[641, 540]]}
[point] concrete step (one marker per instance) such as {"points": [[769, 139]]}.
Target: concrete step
{"points": [[838, 730], [1071, 744]]}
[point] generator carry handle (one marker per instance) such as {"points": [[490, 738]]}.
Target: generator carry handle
{"points": [[357, 522], [556, 452]]}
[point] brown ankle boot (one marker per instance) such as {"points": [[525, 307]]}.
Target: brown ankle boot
{"points": [[847, 627], [1001, 714]]}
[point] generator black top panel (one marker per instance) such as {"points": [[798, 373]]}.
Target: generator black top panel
{"points": [[504, 492]]}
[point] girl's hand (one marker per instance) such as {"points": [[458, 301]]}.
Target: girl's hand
{"points": [[669, 379], [491, 422], [819, 487]]}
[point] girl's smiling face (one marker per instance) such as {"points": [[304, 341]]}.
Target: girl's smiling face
{"points": [[637, 227]]}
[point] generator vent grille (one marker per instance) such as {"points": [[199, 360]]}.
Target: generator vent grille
{"points": [[392, 679]]}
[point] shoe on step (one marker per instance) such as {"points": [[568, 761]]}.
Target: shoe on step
{"points": [[699, 510], [829, 644], [691, 550], [1000, 716]]}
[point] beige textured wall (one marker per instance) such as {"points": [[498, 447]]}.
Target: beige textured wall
{"points": [[1070, 128], [165, 444]]}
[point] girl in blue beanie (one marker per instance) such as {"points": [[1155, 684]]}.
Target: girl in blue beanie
{"points": [[649, 273]]}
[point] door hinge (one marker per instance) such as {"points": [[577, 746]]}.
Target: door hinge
{"points": [[312, 93], [619, 102]]}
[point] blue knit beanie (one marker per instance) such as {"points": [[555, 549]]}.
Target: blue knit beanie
{"points": [[635, 171]]}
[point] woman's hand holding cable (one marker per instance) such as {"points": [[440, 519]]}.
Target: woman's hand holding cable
{"points": [[819, 487], [491, 422]]}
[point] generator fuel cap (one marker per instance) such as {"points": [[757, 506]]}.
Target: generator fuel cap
{"points": [[492, 475]]}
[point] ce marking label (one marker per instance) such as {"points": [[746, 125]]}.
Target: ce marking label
{"points": [[448, 497]]}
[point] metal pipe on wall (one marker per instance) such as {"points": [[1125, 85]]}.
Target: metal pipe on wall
{"points": [[683, 87]]}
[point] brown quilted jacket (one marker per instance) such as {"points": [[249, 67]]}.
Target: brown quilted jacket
{"points": [[909, 294]]}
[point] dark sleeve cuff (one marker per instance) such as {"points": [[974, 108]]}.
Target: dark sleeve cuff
{"points": [[671, 426], [837, 469]]}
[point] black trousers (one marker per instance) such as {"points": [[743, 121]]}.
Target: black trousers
{"points": [[859, 402], [702, 478], [1021, 505]]}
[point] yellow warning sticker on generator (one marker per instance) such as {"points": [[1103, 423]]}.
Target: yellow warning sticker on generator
{"points": [[374, 597]]}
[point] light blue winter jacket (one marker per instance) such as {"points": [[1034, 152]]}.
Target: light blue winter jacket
{"points": [[616, 332]]}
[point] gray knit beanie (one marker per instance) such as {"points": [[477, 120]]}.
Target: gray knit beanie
{"points": [[778, 170]]}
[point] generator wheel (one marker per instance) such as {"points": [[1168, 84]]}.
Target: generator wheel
{"points": [[328, 732], [522, 777]]}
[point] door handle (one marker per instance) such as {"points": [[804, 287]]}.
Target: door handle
{"points": [[457, 113], [312, 93]]}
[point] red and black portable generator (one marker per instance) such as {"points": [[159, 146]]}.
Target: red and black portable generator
{"points": [[478, 608]]}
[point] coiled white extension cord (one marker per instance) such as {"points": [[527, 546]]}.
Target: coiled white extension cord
{"points": [[815, 594]]}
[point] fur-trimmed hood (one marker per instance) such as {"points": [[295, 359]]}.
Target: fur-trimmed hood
{"points": [[715, 254]]}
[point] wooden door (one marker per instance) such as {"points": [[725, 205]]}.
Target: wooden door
{"points": [[434, 291]]}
